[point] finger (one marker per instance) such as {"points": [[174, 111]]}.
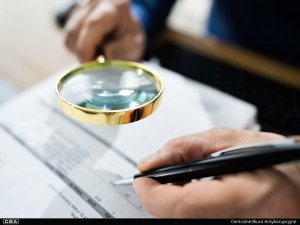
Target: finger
{"points": [[176, 151], [100, 22], [74, 25], [200, 145], [188, 148], [159, 200], [126, 47], [248, 191], [200, 199]]}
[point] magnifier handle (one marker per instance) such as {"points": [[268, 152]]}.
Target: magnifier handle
{"points": [[100, 50], [63, 15]]}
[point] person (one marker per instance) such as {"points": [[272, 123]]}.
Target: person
{"points": [[121, 27], [118, 29]]}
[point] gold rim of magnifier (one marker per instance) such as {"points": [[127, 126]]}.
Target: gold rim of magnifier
{"points": [[108, 117]]}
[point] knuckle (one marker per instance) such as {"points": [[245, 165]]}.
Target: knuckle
{"points": [[222, 131], [225, 134], [172, 144], [91, 21], [222, 137], [110, 12], [96, 21]]}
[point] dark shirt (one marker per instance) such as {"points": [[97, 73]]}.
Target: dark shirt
{"points": [[270, 27]]}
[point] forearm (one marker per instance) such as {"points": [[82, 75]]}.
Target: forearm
{"points": [[151, 13]]}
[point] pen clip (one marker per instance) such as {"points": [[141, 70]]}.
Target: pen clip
{"points": [[242, 147]]}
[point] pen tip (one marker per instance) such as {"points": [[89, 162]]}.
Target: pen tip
{"points": [[124, 181]]}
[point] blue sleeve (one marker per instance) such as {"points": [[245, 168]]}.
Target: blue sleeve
{"points": [[151, 13]]}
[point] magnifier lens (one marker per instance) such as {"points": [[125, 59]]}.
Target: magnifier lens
{"points": [[109, 88]]}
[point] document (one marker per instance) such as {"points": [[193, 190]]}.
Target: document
{"points": [[53, 166], [224, 110], [8, 90]]}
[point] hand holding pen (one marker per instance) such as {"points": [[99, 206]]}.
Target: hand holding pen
{"points": [[271, 192]]}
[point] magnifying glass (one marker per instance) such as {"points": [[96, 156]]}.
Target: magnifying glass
{"points": [[107, 92]]}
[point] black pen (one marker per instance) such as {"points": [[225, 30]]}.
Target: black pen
{"points": [[233, 160]]}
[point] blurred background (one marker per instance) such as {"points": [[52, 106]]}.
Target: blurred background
{"points": [[32, 45], [32, 48]]}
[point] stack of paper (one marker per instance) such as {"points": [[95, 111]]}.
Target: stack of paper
{"points": [[7, 90], [223, 109], [53, 166]]}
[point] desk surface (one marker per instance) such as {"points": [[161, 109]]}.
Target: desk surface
{"points": [[261, 65], [32, 47]]}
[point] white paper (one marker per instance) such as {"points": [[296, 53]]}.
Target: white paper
{"points": [[223, 109], [53, 166]]}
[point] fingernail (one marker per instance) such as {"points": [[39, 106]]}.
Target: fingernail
{"points": [[148, 158]]}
